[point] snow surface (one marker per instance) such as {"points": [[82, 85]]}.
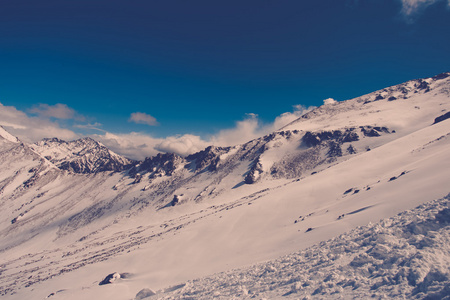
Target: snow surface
{"points": [[62, 233], [406, 257], [7, 136]]}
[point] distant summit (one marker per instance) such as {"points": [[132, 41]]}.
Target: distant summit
{"points": [[81, 156]]}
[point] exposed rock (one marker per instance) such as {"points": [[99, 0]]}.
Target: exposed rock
{"points": [[254, 173], [175, 200], [206, 159], [381, 129], [351, 149], [110, 278], [441, 76], [334, 149], [159, 165], [423, 85], [312, 139], [350, 137], [370, 132], [442, 117]]}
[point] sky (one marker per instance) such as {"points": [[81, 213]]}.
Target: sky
{"points": [[176, 76]]}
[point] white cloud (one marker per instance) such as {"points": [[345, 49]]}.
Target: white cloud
{"points": [[58, 111], [132, 145], [139, 146], [31, 129], [244, 131], [252, 128], [288, 117], [182, 145], [142, 118], [329, 101], [410, 8]]}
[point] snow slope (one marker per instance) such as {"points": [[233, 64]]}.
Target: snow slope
{"points": [[406, 256], [168, 219], [5, 135]]}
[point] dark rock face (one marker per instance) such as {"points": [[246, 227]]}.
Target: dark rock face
{"points": [[381, 129], [442, 117], [351, 150], [373, 131], [254, 172], [110, 278], [159, 165], [335, 149], [286, 134], [441, 76], [208, 158], [370, 132], [350, 137], [423, 85], [175, 200], [312, 139]]}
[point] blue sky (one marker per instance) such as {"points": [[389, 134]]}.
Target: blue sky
{"points": [[179, 75]]}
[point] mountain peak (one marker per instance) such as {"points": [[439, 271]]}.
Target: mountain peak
{"points": [[84, 155]]}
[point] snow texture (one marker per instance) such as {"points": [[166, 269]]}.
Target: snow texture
{"points": [[403, 257]]}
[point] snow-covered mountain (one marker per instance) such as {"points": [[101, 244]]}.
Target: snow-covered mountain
{"points": [[73, 212], [81, 156]]}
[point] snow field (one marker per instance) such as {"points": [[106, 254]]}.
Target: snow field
{"points": [[403, 257]]}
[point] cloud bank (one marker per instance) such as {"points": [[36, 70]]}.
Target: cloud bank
{"points": [[135, 145], [139, 146], [32, 129]]}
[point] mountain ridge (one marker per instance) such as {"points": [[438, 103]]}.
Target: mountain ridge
{"points": [[84, 155]]}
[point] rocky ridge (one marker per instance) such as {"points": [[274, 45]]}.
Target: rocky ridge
{"points": [[81, 156]]}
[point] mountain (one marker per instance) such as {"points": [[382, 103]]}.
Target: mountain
{"points": [[74, 215], [81, 156]]}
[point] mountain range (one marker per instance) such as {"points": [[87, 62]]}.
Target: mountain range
{"points": [[73, 213]]}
